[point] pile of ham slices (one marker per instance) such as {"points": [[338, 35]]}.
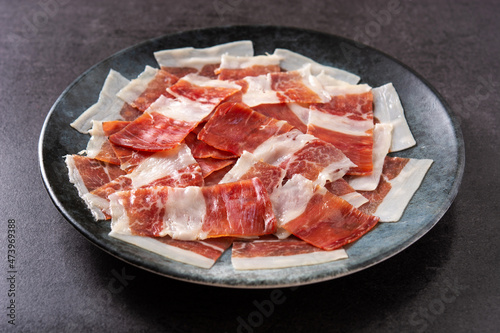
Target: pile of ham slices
{"points": [[277, 156]]}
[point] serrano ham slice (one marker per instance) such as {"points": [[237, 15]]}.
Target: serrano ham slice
{"points": [[284, 87], [88, 174], [175, 167], [292, 113], [237, 68], [280, 253], [141, 92], [234, 127], [237, 209], [342, 189], [306, 155], [292, 61], [187, 60], [202, 254], [401, 177], [108, 106], [347, 123], [381, 144], [248, 167], [209, 165], [319, 217]]}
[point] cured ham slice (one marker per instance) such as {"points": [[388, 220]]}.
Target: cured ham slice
{"points": [[293, 114], [187, 60], [215, 177], [388, 109], [400, 179], [88, 174], [280, 253], [108, 106], [248, 167], [99, 146], [200, 149], [176, 168], [203, 91], [284, 87], [237, 68], [163, 126], [147, 87], [382, 142], [306, 155], [209, 165], [193, 213], [347, 123], [342, 189], [202, 254], [234, 127], [319, 217], [292, 61]]}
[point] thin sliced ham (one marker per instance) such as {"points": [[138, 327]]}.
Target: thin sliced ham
{"points": [[400, 179], [347, 123], [291, 113], [88, 174], [192, 60], [239, 209], [382, 135], [202, 254], [292, 61], [108, 106], [176, 168], [306, 155], [321, 218], [248, 167], [284, 87], [342, 189], [209, 165], [152, 83], [279, 253], [237, 68], [200, 149], [99, 146], [234, 127]]}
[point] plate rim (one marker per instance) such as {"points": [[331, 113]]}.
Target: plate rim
{"points": [[454, 188]]}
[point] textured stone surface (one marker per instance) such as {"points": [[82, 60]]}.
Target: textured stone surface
{"points": [[446, 281]]}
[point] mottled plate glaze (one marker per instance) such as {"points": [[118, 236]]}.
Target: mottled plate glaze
{"points": [[434, 127]]}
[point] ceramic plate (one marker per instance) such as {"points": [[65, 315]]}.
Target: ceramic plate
{"points": [[437, 134]]}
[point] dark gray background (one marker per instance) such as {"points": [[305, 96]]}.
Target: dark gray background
{"points": [[448, 281]]}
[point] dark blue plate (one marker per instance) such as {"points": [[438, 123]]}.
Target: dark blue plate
{"points": [[433, 125]]}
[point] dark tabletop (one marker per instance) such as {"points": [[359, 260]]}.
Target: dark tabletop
{"points": [[448, 281]]}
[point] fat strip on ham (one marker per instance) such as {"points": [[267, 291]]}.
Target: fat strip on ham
{"points": [[202, 254], [237, 68], [292, 61], [279, 253], [284, 87], [147, 87], [342, 189], [381, 143], [202, 61], [108, 106], [175, 167], [401, 177], [88, 174], [318, 216], [306, 155], [388, 109], [99, 146], [248, 167], [347, 123], [239, 209]]}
